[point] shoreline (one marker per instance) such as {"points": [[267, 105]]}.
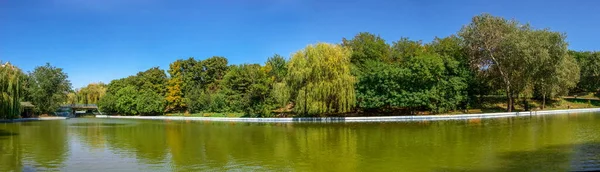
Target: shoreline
{"points": [[362, 119], [32, 119]]}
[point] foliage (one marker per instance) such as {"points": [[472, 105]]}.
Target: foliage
{"points": [[515, 55], [205, 101], [367, 47], [320, 80], [48, 86], [424, 82], [11, 91], [589, 62], [247, 87], [489, 56], [91, 94], [276, 68], [174, 96], [142, 94], [557, 71], [406, 48]]}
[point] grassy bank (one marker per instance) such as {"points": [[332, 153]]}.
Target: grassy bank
{"points": [[489, 105], [229, 115]]}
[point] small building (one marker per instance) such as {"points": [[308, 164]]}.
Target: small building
{"points": [[27, 110]]}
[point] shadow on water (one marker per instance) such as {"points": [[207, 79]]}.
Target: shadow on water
{"points": [[4, 133], [98, 124], [573, 157]]}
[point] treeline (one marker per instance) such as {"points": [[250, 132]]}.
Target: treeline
{"points": [[489, 56], [46, 87]]}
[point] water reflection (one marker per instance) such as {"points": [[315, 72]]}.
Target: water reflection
{"points": [[540, 143], [37, 145]]}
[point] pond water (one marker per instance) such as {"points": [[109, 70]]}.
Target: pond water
{"points": [[539, 143]]}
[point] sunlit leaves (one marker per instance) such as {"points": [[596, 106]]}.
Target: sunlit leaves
{"points": [[320, 80]]}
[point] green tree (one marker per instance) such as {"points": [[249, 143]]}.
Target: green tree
{"points": [[49, 87], [557, 71], [367, 47], [452, 49], [589, 63], [406, 48], [276, 67], [425, 82], [149, 102], [11, 91], [126, 100], [91, 94], [201, 75], [248, 88], [320, 80], [497, 48], [142, 94]]}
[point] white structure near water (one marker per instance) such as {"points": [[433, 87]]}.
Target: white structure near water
{"points": [[364, 119]]}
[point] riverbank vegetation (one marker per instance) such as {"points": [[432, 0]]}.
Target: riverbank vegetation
{"points": [[490, 56], [46, 87], [492, 64]]}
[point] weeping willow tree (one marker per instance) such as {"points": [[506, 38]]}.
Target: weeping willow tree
{"points": [[320, 81], [10, 91]]}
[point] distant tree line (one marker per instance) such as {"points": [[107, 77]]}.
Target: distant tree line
{"points": [[489, 56]]}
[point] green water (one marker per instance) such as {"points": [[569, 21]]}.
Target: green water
{"points": [[544, 143]]}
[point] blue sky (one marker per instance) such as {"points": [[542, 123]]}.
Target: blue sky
{"points": [[101, 40]]}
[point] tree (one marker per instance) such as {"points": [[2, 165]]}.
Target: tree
{"points": [[276, 67], [497, 49], [452, 49], [589, 62], [142, 94], [91, 94], [557, 71], [11, 91], [126, 100], [72, 98], [367, 47], [425, 82], [49, 87], [149, 102], [174, 97], [248, 87], [406, 48], [320, 80], [154, 79]]}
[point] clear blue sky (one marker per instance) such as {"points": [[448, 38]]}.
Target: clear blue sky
{"points": [[101, 40]]}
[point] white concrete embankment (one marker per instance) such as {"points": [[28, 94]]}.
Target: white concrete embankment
{"points": [[34, 119], [363, 119]]}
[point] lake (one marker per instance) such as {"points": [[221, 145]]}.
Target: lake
{"points": [[538, 143]]}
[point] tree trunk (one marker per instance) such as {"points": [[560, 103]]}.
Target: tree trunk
{"points": [[509, 99], [512, 102], [543, 101]]}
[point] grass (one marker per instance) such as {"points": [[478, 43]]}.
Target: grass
{"points": [[499, 105], [490, 104]]}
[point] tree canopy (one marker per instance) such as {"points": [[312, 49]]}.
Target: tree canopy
{"points": [[320, 80], [516, 56], [142, 94], [490, 56], [12, 90], [48, 88]]}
